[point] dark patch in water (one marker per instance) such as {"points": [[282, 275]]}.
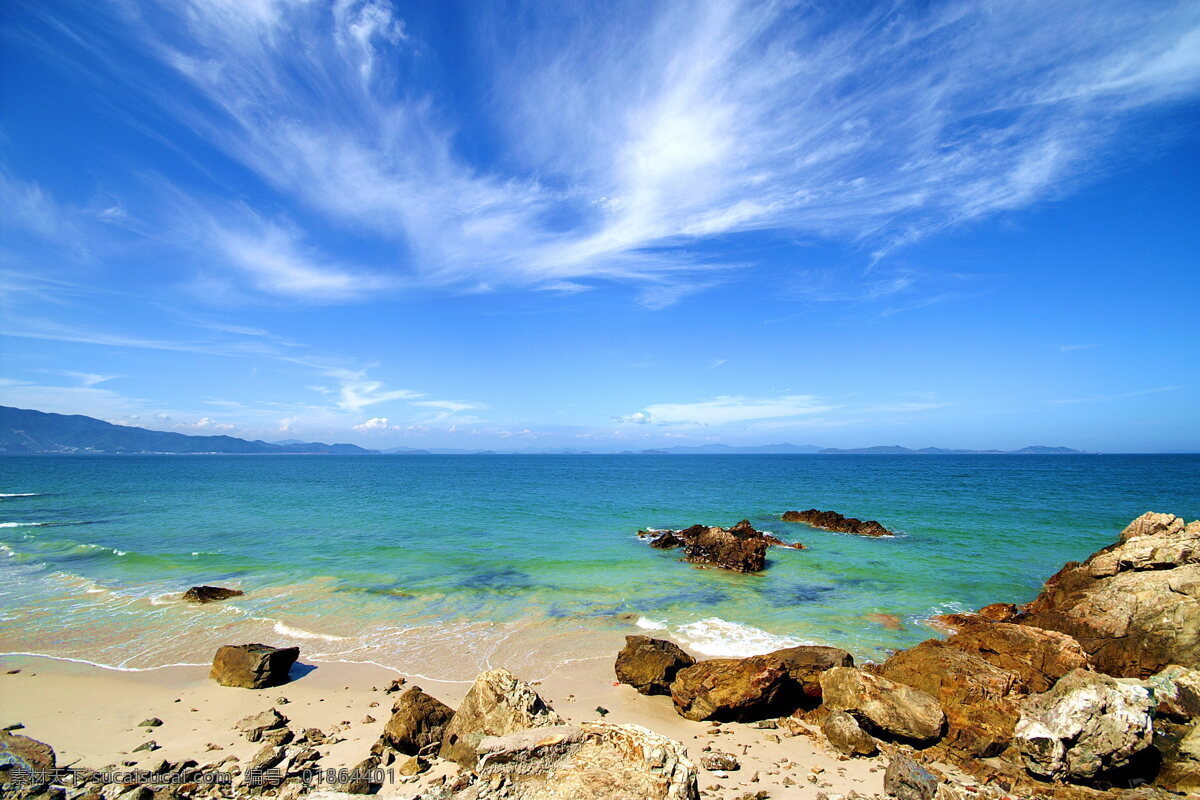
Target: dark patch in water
{"points": [[802, 593], [699, 597], [505, 580]]}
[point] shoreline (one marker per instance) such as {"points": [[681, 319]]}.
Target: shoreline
{"points": [[90, 715]]}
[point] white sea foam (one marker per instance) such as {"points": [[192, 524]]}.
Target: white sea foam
{"points": [[22, 524], [647, 624], [714, 636], [20, 494], [284, 629]]}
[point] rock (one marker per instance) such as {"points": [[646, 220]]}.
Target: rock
{"points": [[832, 521], [732, 689], [253, 666], [498, 703], [1176, 691], [1134, 606], [978, 698], [255, 725], [715, 760], [649, 665], [804, 665], [21, 755], [844, 733], [153, 722], [395, 686], [149, 747], [418, 721], [594, 760], [1037, 657], [882, 706], [210, 594], [360, 780], [1087, 725], [905, 779], [667, 540], [999, 612], [1178, 745], [740, 548]]}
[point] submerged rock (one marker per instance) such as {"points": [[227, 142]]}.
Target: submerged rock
{"points": [[882, 706], [1134, 606], [650, 665], [595, 760], [498, 703], [253, 666], [833, 521], [1087, 725], [417, 722], [210, 594]]}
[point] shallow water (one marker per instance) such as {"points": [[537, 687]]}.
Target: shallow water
{"points": [[445, 564]]}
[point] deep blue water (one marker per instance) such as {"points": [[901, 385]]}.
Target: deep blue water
{"points": [[391, 558]]}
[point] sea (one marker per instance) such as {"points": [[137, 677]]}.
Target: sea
{"points": [[445, 565]]}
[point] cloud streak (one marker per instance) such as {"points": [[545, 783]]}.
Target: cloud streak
{"points": [[621, 142]]}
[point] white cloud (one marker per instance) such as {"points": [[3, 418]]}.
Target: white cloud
{"points": [[724, 410], [205, 424], [373, 424], [623, 140]]}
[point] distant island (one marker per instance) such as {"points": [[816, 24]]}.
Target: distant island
{"points": [[24, 431]]}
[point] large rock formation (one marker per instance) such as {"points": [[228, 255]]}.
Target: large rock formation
{"points": [[596, 760], [253, 666], [1087, 725], [804, 665], [418, 722], [650, 665], [1037, 657], [210, 594], [22, 758], [833, 521], [740, 548], [1135, 605], [978, 697], [498, 703], [882, 706]]}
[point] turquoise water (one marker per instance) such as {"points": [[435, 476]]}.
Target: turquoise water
{"points": [[443, 564]]}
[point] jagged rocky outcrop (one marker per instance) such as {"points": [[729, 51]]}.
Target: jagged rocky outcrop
{"points": [[498, 703], [1087, 725], [847, 736], [650, 665], [253, 666], [833, 521], [596, 760], [210, 594], [1134, 606], [739, 548]]}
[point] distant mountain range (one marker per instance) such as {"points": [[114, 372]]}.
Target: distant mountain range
{"points": [[25, 431]]}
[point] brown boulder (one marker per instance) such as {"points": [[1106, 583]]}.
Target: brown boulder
{"points": [[1179, 747], [847, 736], [1038, 657], [253, 666], [1134, 606], [650, 665], [22, 757], [740, 548], [210, 594], [417, 722], [731, 689], [498, 703], [976, 696], [882, 706], [804, 665], [833, 521]]}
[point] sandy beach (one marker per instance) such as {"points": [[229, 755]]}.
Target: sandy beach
{"points": [[91, 716]]}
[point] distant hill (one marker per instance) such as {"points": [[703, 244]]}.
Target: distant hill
{"points": [[897, 450], [26, 431], [725, 449]]}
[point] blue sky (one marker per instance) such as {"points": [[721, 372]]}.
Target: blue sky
{"points": [[607, 226]]}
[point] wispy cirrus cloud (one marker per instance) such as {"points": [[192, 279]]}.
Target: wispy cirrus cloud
{"points": [[619, 142], [775, 413]]}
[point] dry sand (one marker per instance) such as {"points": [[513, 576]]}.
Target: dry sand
{"points": [[91, 716]]}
